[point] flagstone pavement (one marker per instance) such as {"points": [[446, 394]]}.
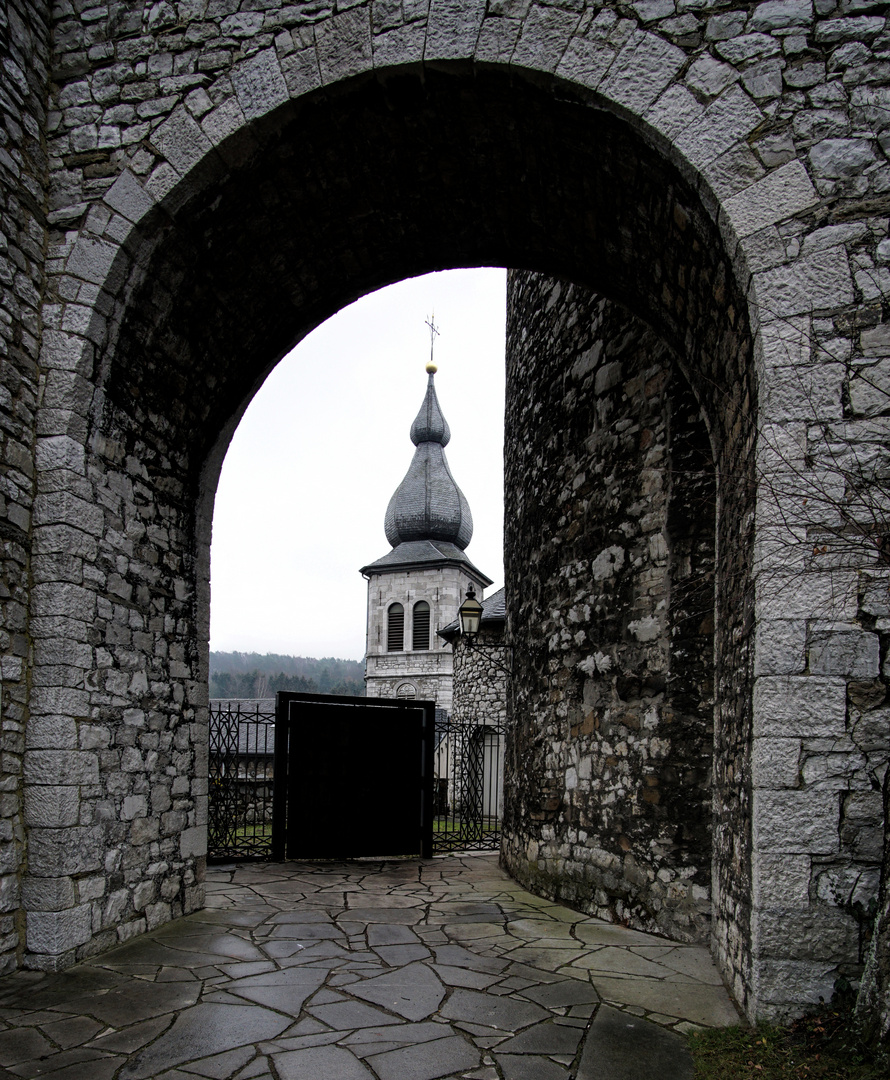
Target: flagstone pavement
{"points": [[397, 970]]}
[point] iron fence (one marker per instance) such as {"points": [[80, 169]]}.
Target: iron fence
{"points": [[241, 750], [469, 786]]}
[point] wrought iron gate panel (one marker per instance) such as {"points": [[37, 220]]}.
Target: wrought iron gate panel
{"points": [[240, 774], [462, 806], [469, 776]]}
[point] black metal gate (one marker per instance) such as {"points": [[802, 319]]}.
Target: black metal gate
{"points": [[353, 777], [353, 781], [469, 776]]}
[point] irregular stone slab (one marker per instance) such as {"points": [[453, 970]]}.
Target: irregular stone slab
{"points": [[694, 962], [23, 1044], [458, 956], [202, 1031], [390, 934], [397, 955], [138, 1001], [406, 916], [502, 1013], [708, 1005], [603, 933], [74, 1031], [413, 992], [561, 994], [455, 976], [286, 991], [545, 1038], [530, 1067], [129, 1040], [307, 931], [347, 1015], [221, 1066], [624, 1047], [621, 962], [427, 1061], [378, 1040], [329, 1062]]}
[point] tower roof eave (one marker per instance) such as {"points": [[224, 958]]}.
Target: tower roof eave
{"points": [[424, 555]]}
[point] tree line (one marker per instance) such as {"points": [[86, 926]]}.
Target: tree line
{"points": [[255, 675]]}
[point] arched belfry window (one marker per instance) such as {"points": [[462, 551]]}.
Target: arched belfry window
{"points": [[420, 632], [395, 628]]}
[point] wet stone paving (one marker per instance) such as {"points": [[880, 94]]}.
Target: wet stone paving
{"points": [[410, 970]]}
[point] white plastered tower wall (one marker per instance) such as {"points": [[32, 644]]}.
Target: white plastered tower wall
{"points": [[429, 671]]}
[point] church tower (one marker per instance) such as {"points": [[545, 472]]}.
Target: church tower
{"points": [[418, 587]]}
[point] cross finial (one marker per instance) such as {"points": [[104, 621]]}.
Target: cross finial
{"points": [[434, 333]]}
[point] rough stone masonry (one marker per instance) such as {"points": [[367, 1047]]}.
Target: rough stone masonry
{"points": [[189, 186]]}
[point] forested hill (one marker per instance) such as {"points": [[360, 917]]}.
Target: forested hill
{"points": [[252, 675]]}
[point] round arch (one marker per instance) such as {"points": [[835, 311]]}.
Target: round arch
{"points": [[316, 202]]}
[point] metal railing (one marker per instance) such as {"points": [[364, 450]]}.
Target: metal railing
{"points": [[240, 773], [469, 785]]}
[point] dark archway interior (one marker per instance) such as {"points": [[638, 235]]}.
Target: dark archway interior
{"points": [[397, 175]]}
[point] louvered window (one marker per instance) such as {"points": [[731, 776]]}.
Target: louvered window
{"points": [[420, 634], [395, 628]]}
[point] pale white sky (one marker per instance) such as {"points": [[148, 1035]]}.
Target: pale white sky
{"points": [[325, 443]]}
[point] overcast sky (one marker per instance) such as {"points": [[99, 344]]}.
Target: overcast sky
{"points": [[325, 443]]}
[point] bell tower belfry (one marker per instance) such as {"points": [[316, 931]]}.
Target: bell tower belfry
{"points": [[418, 587]]}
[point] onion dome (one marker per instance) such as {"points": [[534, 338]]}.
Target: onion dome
{"points": [[428, 504]]}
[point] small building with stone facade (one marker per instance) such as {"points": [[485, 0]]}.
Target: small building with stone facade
{"points": [[420, 583], [481, 669]]}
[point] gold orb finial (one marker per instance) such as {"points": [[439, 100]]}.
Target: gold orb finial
{"points": [[431, 368]]}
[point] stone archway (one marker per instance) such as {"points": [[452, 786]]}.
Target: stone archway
{"points": [[331, 159]]}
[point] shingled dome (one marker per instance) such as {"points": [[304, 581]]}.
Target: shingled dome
{"points": [[428, 504]]}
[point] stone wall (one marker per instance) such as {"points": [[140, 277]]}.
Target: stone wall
{"points": [[480, 679], [223, 176], [612, 504], [24, 43]]}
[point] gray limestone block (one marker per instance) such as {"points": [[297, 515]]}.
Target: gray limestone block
{"points": [[727, 120], [193, 841], [819, 282], [259, 84], [838, 158], [181, 141], [818, 933], [857, 28], [453, 28], [129, 198], [854, 654], [344, 45], [709, 76], [61, 767], [67, 851], [780, 194], [643, 69], [787, 705], [781, 14], [775, 763], [546, 32], [675, 111], [301, 72], [780, 880], [869, 389], [51, 733], [47, 893], [91, 259], [802, 821], [497, 40], [54, 932]]}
